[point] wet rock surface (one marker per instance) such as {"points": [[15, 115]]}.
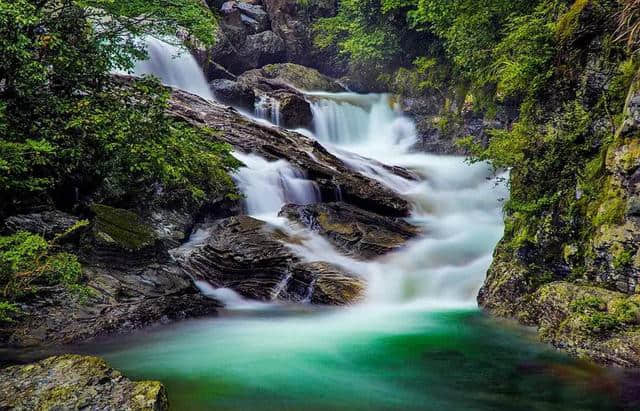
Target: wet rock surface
{"points": [[47, 223], [132, 283], [74, 382], [332, 176], [233, 93], [353, 231], [253, 259]]}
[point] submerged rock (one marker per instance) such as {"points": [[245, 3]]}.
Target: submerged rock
{"points": [[74, 382], [252, 258], [355, 232]]}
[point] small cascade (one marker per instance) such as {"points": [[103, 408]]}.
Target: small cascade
{"points": [[348, 119], [268, 185], [174, 66], [268, 108]]}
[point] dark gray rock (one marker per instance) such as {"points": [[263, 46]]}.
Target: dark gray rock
{"points": [[293, 22], [47, 223], [257, 14], [353, 231], [262, 49], [233, 93], [295, 111], [74, 382]]}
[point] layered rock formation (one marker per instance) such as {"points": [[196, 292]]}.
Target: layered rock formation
{"points": [[253, 259], [74, 382], [353, 231]]}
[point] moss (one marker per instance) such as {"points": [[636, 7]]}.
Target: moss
{"points": [[612, 205], [625, 310], [569, 22], [122, 227]]}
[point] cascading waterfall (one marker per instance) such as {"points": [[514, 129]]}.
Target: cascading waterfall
{"points": [[268, 108], [416, 343], [268, 185], [174, 66]]}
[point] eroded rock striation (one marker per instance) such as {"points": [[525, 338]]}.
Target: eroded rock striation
{"points": [[253, 259], [74, 382], [353, 231]]}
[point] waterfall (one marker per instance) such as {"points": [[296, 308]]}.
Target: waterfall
{"points": [[174, 66], [268, 108], [348, 119], [269, 185]]}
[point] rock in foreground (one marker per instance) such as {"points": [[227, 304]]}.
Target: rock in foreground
{"points": [[253, 259], [72, 382]]}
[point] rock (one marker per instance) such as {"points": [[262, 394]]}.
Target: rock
{"points": [[295, 111], [284, 76], [73, 382], [214, 71], [132, 282], [353, 231], [248, 256], [233, 93], [293, 21], [257, 14], [263, 48], [333, 177], [48, 223]]}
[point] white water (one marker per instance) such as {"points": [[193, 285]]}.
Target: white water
{"points": [[457, 205], [174, 66], [268, 108]]}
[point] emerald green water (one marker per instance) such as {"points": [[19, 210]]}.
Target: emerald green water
{"points": [[359, 359]]}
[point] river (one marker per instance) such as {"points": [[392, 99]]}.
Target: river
{"points": [[417, 341]]}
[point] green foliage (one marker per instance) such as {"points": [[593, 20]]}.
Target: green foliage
{"points": [[67, 128], [28, 262], [8, 311]]}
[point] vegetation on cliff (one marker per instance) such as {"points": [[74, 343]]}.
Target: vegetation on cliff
{"points": [[72, 134]]}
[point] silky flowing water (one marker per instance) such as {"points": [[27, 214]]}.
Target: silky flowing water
{"points": [[416, 342]]}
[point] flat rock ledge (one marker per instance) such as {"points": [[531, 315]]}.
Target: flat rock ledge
{"points": [[75, 382], [355, 232]]}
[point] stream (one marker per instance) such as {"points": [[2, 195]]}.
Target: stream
{"points": [[417, 341]]}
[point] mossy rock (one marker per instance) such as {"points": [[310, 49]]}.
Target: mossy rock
{"points": [[302, 77], [71, 382], [122, 228]]}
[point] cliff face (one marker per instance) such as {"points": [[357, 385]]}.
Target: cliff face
{"points": [[569, 261]]}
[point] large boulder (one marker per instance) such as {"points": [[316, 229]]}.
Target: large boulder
{"points": [[233, 93], [130, 282], [263, 48], [74, 382], [353, 231], [248, 256], [287, 75]]}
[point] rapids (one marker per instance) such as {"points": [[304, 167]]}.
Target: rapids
{"points": [[417, 342]]}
